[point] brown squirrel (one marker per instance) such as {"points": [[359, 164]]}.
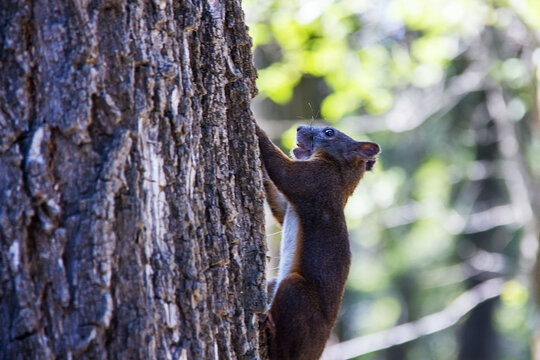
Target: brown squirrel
{"points": [[307, 196]]}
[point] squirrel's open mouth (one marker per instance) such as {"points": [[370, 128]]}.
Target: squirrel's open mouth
{"points": [[301, 151]]}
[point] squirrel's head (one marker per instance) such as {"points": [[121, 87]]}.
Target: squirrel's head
{"points": [[314, 140]]}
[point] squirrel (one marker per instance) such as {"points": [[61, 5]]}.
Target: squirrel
{"points": [[307, 197]]}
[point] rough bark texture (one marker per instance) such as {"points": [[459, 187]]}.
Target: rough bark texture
{"points": [[131, 209]]}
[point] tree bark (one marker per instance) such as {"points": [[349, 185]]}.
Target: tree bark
{"points": [[131, 206]]}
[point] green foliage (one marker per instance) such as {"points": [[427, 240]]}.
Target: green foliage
{"points": [[421, 228]]}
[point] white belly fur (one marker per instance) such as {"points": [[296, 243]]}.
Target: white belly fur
{"points": [[287, 247]]}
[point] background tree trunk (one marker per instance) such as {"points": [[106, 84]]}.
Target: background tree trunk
{"points": [[131, 209]]}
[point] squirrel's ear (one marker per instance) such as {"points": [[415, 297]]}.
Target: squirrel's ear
{"points": [[364, 150], [368, 149]]}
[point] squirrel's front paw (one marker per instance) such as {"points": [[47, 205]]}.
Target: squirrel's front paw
{"points": [[267, 323]]}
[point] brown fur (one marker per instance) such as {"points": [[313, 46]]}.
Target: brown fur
{"points": [[275, 200], [307, 300]]}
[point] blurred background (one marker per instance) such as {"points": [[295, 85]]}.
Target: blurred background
{"points": [[444, 231]]}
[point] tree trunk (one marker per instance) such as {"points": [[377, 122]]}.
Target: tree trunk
{"points": [[131, 207]]}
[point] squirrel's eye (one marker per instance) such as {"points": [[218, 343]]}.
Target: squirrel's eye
{"points": [[329, 132]]}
